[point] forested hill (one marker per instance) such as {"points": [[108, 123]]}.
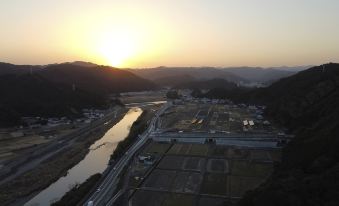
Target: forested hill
{"points": [[60, 90], [6, 68], [33, 95], [307, 103], [98, 79]]}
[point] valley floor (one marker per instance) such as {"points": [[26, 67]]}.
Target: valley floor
{"points": [[34, 173]]}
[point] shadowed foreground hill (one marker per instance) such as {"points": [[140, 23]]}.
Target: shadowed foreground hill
{"points": [[307, 103], [50, 92], [33, 95]]}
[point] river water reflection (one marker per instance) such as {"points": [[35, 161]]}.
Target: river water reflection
{"points": [[95, 161]]}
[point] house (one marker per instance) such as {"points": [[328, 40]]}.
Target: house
{"points": [[266, 123], [245, 122], [146, 159]]}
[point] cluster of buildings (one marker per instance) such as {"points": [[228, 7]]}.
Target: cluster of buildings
{"points": [[38, 122], [50, 127], [92, 114], [257, 118]]}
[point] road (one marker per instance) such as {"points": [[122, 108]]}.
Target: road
{"points": [[257, 140], [105, 196], [212, 135], [45, 151]]}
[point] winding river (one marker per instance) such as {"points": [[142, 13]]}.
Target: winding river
{"points": [[95, 161]]}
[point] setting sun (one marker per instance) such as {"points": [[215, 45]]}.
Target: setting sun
{"points": [[117, 47]]}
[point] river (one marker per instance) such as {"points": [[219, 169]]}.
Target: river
{"points": [[95, 161]]}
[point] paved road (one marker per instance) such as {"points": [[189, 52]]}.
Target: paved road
{"points": [[105, 195], [249, 136], [45, 151]]}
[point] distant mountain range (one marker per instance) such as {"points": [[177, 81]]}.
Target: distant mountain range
{"points": [[172, 76], [264, 75], [207, 84], [60, 89], [177, 74]]}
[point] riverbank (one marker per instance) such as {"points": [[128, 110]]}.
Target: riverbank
{"points": [[75, 195], [90, 184], [138, 127], [27, 185]]}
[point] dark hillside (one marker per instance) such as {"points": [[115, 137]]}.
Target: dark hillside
{"points": [[6, 68], [60, 89], [33, 95], [307, 103], [99, 79]]}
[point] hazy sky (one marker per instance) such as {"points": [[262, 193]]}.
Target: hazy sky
{"points": [[147, 33]]}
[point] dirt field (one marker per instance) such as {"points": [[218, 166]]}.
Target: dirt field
{"points": [[217, 166], [179, 149], [189, 149], [250, 169], [160, 180], [215, 184], [259, 155], [238, 185], [185, 182], [157, 148], [203, 174], [172, 162], [149, 198], [194, 163], [198, 150], [143, 97], [203, 201], [11, 147], [179, 200]]}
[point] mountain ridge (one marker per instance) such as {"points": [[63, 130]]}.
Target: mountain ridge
{"points": [[61, 89]]}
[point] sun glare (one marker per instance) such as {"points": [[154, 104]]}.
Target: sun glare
{"points": [[117, 47]]}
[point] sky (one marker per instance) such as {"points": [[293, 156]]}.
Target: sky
{"points": [[151, 33]]}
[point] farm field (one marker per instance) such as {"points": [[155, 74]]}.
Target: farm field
{"points": [[199, 174]]}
